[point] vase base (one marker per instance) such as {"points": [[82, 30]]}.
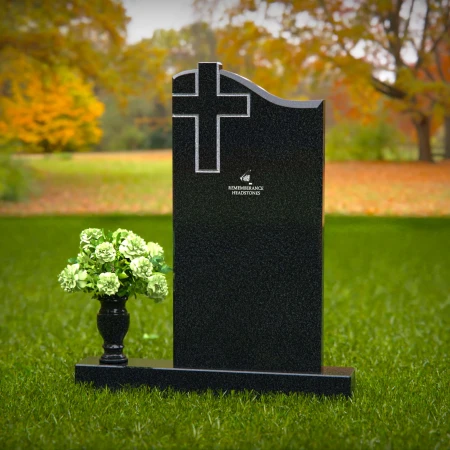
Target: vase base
{"points": [[117, 361], [162, 374]]}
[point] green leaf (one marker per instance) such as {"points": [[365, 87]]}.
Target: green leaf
{"points": [[166, 269], [122, 276]]}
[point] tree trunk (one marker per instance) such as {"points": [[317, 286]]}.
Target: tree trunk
{"points": [[423, 134], [447, 137]]}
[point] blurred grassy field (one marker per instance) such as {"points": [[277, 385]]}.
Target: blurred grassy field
{"points": [[100, 183], [387, 313], [141, 183]]}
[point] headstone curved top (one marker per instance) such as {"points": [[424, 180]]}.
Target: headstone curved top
{"points": [[248, 181]]}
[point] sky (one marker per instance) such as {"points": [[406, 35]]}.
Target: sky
{"points": [[149, 15]]}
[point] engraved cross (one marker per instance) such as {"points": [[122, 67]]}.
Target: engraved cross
{"points": [[207, 106]]}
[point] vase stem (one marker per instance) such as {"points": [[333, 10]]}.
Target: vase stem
{"points": [[113, 322]]}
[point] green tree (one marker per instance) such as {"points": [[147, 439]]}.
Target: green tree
{"points": [[148, 66]]}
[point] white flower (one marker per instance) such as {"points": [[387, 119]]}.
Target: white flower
{"points": [[105, 252], [157, 287], [119, 262], [72, 278], [89, 235], [84, 260], [133, 246], [122, 233], [141, 267], [108, 283], [154, 249]]}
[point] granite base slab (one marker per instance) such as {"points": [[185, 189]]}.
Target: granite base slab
{"points": [[162, 374]]}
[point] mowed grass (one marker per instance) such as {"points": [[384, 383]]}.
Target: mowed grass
{"points": [[387, 313], [99, 184]]}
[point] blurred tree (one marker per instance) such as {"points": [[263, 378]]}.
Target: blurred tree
{"points": [[193, 43], [50, 111], [358, 103], [364, 105], [254, 53], [148, 67], [384, 43], [141, 70], [142, 124], [51, 54], [436, 77], [351, 140], [182, 50], [86, 35]]}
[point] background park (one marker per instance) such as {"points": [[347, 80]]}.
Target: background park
{"points": [[85, 141]]}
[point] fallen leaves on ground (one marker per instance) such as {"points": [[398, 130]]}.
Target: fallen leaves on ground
{"points": [[387, 188], [96, 184]]}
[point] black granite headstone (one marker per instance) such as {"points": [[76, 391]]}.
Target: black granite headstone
{"points": [[247, 191], [248, 218]]}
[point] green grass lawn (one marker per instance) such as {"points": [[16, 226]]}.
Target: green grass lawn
{"points": [[387, 313], [107, 184]]}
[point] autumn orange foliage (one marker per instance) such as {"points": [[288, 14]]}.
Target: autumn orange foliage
{"points": [[52, 111], [362, 41], [360, 103]]}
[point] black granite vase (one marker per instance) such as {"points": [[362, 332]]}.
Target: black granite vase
{"points": [[113, 322]]}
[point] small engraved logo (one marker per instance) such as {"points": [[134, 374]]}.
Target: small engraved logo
{"points": [[247, 188], [246, 177]]}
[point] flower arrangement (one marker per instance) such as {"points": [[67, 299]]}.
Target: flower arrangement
{"points": [[118, 263]]}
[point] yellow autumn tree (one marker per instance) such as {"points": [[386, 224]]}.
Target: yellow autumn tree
{"points": [[84, 35], [50, 112], [254, 53]]}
